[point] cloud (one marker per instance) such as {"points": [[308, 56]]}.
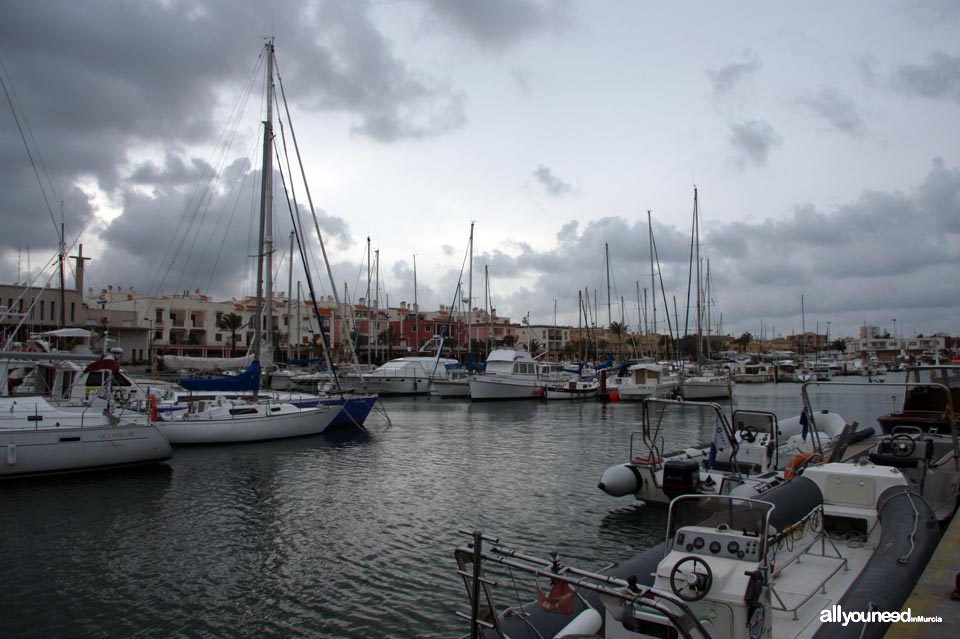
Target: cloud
{"points": [[854, 264], [502, 24], [939, 78], [727, 79], [550, 183], [751, 141], [836, 109]]}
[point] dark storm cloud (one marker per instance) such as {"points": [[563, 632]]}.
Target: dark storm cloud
{"points": [[939, 78], [501, 24], [751, 141], [726, 79], [838, 111], [550, 183], [98, 82]]}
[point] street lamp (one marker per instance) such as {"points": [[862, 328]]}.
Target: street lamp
{"points": [[894, 328]]}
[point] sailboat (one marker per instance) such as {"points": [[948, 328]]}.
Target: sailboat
{"points": [[703, 384], [220, 420]]}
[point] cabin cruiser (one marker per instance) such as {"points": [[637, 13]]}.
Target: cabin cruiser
{"points": [[514, 374], [841, 538], [407, 375], [645, 380]]}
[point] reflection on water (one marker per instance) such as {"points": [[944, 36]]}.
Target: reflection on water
{"points": [[343, 535]]}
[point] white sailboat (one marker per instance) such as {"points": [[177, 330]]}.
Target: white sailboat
{"points": [[229, 421]]}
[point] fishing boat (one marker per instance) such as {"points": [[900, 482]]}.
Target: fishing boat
{"points": [[842, 538], [751, 448], [512, 373], [456, 385]]}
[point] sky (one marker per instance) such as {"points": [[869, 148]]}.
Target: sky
{"points": [[823, 140]]}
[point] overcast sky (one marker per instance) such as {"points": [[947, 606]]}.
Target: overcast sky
{"points": [[823, 137]]}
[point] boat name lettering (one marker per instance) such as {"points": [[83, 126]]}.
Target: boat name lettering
{"points": [[128, 434]]}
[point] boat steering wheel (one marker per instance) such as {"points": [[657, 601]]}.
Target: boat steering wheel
{"points": [[902, 445], [748, 434], [691, 584]]}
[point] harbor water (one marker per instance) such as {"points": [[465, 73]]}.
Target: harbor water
{"points": [[349, 534]]}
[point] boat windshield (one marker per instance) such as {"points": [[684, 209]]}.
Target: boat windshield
{"points": [[746, 516]]}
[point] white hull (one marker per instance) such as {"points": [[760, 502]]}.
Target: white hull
{"points": [[450, 388], [635, 392], [220, 427], [37, 438], [705, 388], [573, 391], [503, 387]]}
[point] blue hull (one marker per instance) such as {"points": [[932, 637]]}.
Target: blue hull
{"points": [[355, 409]]}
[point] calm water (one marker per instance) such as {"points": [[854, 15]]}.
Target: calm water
{"points": [[344, 535]]}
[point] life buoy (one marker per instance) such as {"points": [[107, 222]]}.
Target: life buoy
{"points": [[154, 413], [796, 465]]}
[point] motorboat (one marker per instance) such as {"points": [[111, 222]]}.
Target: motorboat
{"points": [[512, 373], [407, 375], [456, 385], [706, 387], [575, 389], [794, 562], [645, 380], [754, 373], [930, 395], [751, 448]]}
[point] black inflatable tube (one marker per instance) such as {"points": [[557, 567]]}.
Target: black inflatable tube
{"points": [[886, 583]]}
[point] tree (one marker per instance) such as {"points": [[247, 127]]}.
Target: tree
{"points": [[390, 338], [744, 341], [839, 345], [231, 323], [535, 346], [619, 331]]}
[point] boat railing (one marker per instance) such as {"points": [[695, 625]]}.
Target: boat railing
{"points": [[471, 557], [651, 429], [795, 533], [948, 412]]}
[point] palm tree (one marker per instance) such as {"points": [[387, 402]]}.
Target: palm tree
{"points": [[230, 322], [390, 338], [619, 330]]}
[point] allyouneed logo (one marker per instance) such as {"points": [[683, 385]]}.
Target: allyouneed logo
{"points": [[836, 615]]}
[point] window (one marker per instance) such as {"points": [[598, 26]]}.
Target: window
{"points": [[159, 315], [73, 309], [53, 311], [42, 305]]}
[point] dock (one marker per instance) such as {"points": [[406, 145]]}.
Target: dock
{"points": [[931, 596]]}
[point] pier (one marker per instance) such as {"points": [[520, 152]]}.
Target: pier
{"points": [[931, 596]]}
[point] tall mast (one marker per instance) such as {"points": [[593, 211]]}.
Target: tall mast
{"points": [[696, 249], [290, 301], [369, 307], [416, 308], [470, 295], [266, 202], [653, 288], [606, 251]]}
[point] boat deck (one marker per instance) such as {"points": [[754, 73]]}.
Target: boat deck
{"points": [[931, 595]]}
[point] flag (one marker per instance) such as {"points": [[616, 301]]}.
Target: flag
{"points": [[719, 442], [805, 423]]}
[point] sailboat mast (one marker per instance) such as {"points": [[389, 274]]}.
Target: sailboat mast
{"points": [[470, 295], [369, 307], [416, 308], [653, 288], [290, 300], [606, 251], [266, 202], [696, 248]]}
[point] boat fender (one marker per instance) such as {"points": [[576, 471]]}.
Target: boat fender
{"points": [[620, 480], [154, 413], [11, 454], [587, 623], [796, 465]]}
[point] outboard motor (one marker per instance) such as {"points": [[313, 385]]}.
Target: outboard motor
{"points": [[681, 477]]}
